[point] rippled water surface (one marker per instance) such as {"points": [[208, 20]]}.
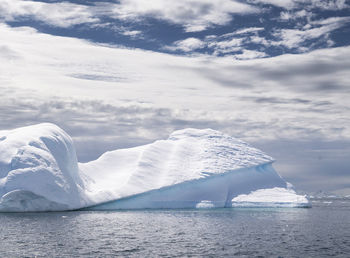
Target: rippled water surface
{"points": [[321, 231]]}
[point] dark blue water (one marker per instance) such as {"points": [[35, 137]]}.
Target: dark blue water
{"points": [[321, 231]]}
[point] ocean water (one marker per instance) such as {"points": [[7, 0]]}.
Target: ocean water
{"points": [[321, 231]]}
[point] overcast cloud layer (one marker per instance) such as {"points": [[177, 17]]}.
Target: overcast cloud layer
{"points": [[293, 105]]}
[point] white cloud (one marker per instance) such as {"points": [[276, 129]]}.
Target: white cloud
{"points": [[221, 45], [50, 67], [229, 43], [301, 38], [293, 4], [259, 40], [236, 41], [338, 21], [132, 33], [193, 15], [57, 14], [250, 54], [227, 46], [187, 45], [329, 4], [294, 38], [295, 15], [248, 30], [287, 4]]}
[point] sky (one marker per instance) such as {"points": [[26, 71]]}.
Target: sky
{"points": [[118, 74]]}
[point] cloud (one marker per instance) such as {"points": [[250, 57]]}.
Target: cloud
{"points": [[319, 29], [132, 33], [233, 46], [287, 4], [247, 30], [230, 43], [287, 16], [330, 4], [129, 18], [293, 4], [187, 45], [97, 77], [56, 14], [217, 86], [338, 21], [193, 15], [250, 54], [304, 39], [226, 46], [315, 34], [6, 53], [235, 43]]}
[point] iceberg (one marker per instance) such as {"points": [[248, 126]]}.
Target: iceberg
{"points": [[193, 168], [272, 197]]}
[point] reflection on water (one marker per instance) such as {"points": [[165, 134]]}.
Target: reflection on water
{"points": [[323, 230]]}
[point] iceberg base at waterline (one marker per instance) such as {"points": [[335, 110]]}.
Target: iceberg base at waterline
{"points": [[193, 168]]}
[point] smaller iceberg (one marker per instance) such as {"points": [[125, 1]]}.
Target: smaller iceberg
{"points": [[272, 197], [205, 205]]}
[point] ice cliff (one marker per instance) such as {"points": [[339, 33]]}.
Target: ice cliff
{"points": [[191, 169]]}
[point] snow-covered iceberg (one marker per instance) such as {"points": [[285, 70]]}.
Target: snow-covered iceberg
{"points": [[271, 197], [191, 169]]}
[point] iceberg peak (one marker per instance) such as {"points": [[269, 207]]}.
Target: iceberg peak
{"points": [[40, 160]]}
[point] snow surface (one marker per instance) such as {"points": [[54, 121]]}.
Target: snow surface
{"points": [[191, 169]]}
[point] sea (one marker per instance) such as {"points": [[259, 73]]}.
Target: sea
{"points": [[320, 231]]}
